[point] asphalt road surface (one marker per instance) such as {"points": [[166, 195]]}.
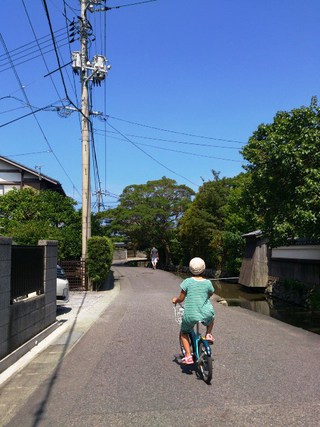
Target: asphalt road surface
{"points": [[125, 371]]}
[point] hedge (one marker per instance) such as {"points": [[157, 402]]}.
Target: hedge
{"points": [[100, 255]]}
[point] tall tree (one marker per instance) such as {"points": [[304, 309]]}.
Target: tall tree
{"points": [[149, 213], [284, 162], [213, 225], [28, 216], [204, 217]]}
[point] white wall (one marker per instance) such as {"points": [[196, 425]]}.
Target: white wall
{"points": [[305, 252]]}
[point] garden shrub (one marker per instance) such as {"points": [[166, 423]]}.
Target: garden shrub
{"points": [[100, 254]]}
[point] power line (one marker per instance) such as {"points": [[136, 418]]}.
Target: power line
{"points": [[24, 47], [33, 112], [128, 5], [11, 109], [27, 154], [94, 159], [73, 76], [65, 4], [45, 50], [175, 141], [46, 65], [33, 57], [183, 152], [151, 157], [46, 108], [176, 132]]}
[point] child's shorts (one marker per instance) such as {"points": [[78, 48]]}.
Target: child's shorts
{"points": [[188, 323]]}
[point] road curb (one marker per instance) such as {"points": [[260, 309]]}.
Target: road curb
{"points": [[13, 357]]}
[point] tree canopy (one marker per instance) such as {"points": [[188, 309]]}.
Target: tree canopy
{"points": [[284, 163], [149, 213], [212, 226], [28, 216]]}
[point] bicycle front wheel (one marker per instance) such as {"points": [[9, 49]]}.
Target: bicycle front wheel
{"points": [[204, 363]]}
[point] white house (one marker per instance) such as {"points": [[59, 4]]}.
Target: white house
{"points": [[15, 175]]}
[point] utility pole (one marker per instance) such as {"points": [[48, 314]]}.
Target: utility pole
{"points": [[90, 72], [86, 199]]}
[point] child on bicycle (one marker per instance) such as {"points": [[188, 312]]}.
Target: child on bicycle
{"points": [[196, 292]]}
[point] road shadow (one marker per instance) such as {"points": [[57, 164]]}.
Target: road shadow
{"points": [[41, 407], [185, 369], [63, 310]]}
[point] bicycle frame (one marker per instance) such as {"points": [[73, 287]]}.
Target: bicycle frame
{"points": [[195, 338]]}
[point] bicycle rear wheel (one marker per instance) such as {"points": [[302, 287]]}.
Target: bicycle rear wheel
{"points": [[204, 363]]}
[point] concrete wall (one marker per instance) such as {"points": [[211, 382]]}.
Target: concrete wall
{"points": [[303, 271], [260, 267], [24, 319], [120, 254]]}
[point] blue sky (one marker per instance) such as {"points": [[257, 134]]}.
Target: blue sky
{"points": [[189, 84]]}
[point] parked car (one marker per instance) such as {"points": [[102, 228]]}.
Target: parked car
{"points": [[62, 285]]}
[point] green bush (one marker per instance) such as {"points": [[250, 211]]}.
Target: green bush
{"points": [[294, 286], [315, 300], [100, 254]]}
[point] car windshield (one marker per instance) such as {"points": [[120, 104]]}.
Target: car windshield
{"points": [[60, 272]]}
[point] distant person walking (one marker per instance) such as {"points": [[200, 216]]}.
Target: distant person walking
{"points": [[154, 257]]}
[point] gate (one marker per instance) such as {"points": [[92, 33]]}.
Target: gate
{"points": [[27, 270], [76, 273]]}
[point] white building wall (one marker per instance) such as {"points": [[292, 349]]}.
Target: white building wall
{"points": [[305, 252]]}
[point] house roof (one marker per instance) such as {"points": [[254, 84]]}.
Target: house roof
{"points": [[50, 181], [256, 233]]}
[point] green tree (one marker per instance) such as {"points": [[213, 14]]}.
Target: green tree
{"points": [[284, 163], [148, 214], [196, 231], [240, 218], [204, 219], [28, 216], [213, 225]]}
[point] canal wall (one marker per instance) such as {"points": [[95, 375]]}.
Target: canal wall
{"points": [[298, 262], [294, 274], [291, 273]]}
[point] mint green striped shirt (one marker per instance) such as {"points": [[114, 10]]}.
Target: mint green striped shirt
{"points": [[197, 303]]}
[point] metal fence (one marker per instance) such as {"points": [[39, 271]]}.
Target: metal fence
{"points": [[76, 273], [27, 271]]}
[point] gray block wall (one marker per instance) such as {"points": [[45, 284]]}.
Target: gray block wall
{"points": [[22, 320]]}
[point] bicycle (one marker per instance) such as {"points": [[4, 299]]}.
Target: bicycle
{"points": [[201, 350]]}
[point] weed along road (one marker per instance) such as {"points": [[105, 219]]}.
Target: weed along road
{"points": [[124, 371]]}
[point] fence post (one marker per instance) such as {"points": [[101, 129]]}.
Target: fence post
{"points": [[50, 276]]}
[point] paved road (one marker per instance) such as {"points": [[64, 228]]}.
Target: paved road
{"points": [[123, 371]]}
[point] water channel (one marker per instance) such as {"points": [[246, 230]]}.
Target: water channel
{"points": [[256, 300]]}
